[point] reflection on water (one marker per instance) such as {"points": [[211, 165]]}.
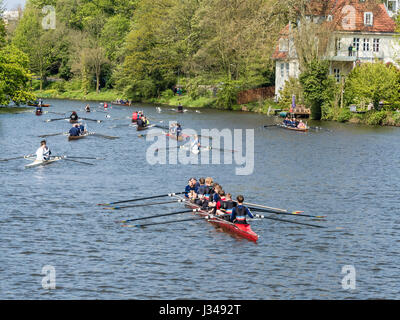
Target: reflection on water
{"points": [[49, 214]]}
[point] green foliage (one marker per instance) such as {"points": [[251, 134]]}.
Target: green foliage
{"points": [[14, 76], [167, 94], [344, 115], [376, 118], [292, 87], [227, 94], [373, 82], [315, 81]]}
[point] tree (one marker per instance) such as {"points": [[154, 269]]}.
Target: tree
{"points": [[314, 80], [373, 82], [37, 43], [14, 76]]}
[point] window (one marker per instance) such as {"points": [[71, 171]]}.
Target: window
{"points": [[366, 45], [375, 45], [336, 73], [356, 43], [283, 44], [287, 69], [338, 45], [392, 5], [282, 70], [368, 18]]}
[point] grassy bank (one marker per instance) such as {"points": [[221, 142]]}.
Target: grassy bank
{"points": [[109, 95], [373, 118], [13, 109]]}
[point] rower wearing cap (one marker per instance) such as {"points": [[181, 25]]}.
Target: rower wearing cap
{"points": [[73, 116], [240, 212]]}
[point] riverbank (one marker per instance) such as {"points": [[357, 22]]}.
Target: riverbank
{"points": [[4, 110], [268, 106]]}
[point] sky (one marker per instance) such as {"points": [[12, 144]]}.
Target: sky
{"points": [[12, 4]]}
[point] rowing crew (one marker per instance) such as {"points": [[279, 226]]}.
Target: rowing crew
{"points": [[294, 123], [77, 129], [210, 196]]}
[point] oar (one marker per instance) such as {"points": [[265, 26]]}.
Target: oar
{"points": [[159, 215], [271, 125], [87, 158], [52, 134], [139, 199], [294, 213], [15, 158], [50, 120], [94, 120], [158, 223], [261, 208], [225, 150], [289, 221], [103, 136], [89, 164], [161, 127], [61, 114], [141, 205]]}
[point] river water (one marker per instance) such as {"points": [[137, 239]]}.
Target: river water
{"points": [[49, 215]]}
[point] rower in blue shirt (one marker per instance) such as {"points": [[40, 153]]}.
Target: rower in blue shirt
{"points": [[192, 186], [75, 131], [240, 212]]}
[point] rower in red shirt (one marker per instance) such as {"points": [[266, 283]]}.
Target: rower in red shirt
{"points": [[135, 116]]}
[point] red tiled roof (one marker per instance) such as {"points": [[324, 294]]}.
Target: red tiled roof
{"points": [[341, 11]]}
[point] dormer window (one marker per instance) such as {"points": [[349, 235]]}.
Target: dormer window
{"points": [[283, 44], [368, 18]]}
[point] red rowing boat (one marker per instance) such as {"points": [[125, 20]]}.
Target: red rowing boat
{"points": [[237, 229]]}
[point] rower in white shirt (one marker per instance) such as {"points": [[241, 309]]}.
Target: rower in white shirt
{"points": [[43, 153], [195, 145]]}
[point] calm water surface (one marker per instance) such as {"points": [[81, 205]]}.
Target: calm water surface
{"points": [[49, 214]]}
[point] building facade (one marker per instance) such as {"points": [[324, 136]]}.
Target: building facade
{"points": [[363, 31]]}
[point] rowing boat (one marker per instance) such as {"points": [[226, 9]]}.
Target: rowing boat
{"points": [[292, 128], [37, 163], [180, 138], [71, 138], [37, 105], [116, 103], [240, 230]]}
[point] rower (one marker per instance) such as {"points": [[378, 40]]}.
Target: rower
{"points": [[226, 205], [39, 110], [43, 152], [195, 146], [240, 212], [135, 116], [180, 108], [178, 130], [287, 122], [87, 108], [192, 186], [75, 131], [301, 125], [82, 129], [74, 116], [40, 102]]}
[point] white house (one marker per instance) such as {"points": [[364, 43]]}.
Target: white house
{"points": [[363, 32], [12, 15]]}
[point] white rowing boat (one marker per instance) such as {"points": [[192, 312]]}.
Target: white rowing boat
{"points": [[37, 163]]}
